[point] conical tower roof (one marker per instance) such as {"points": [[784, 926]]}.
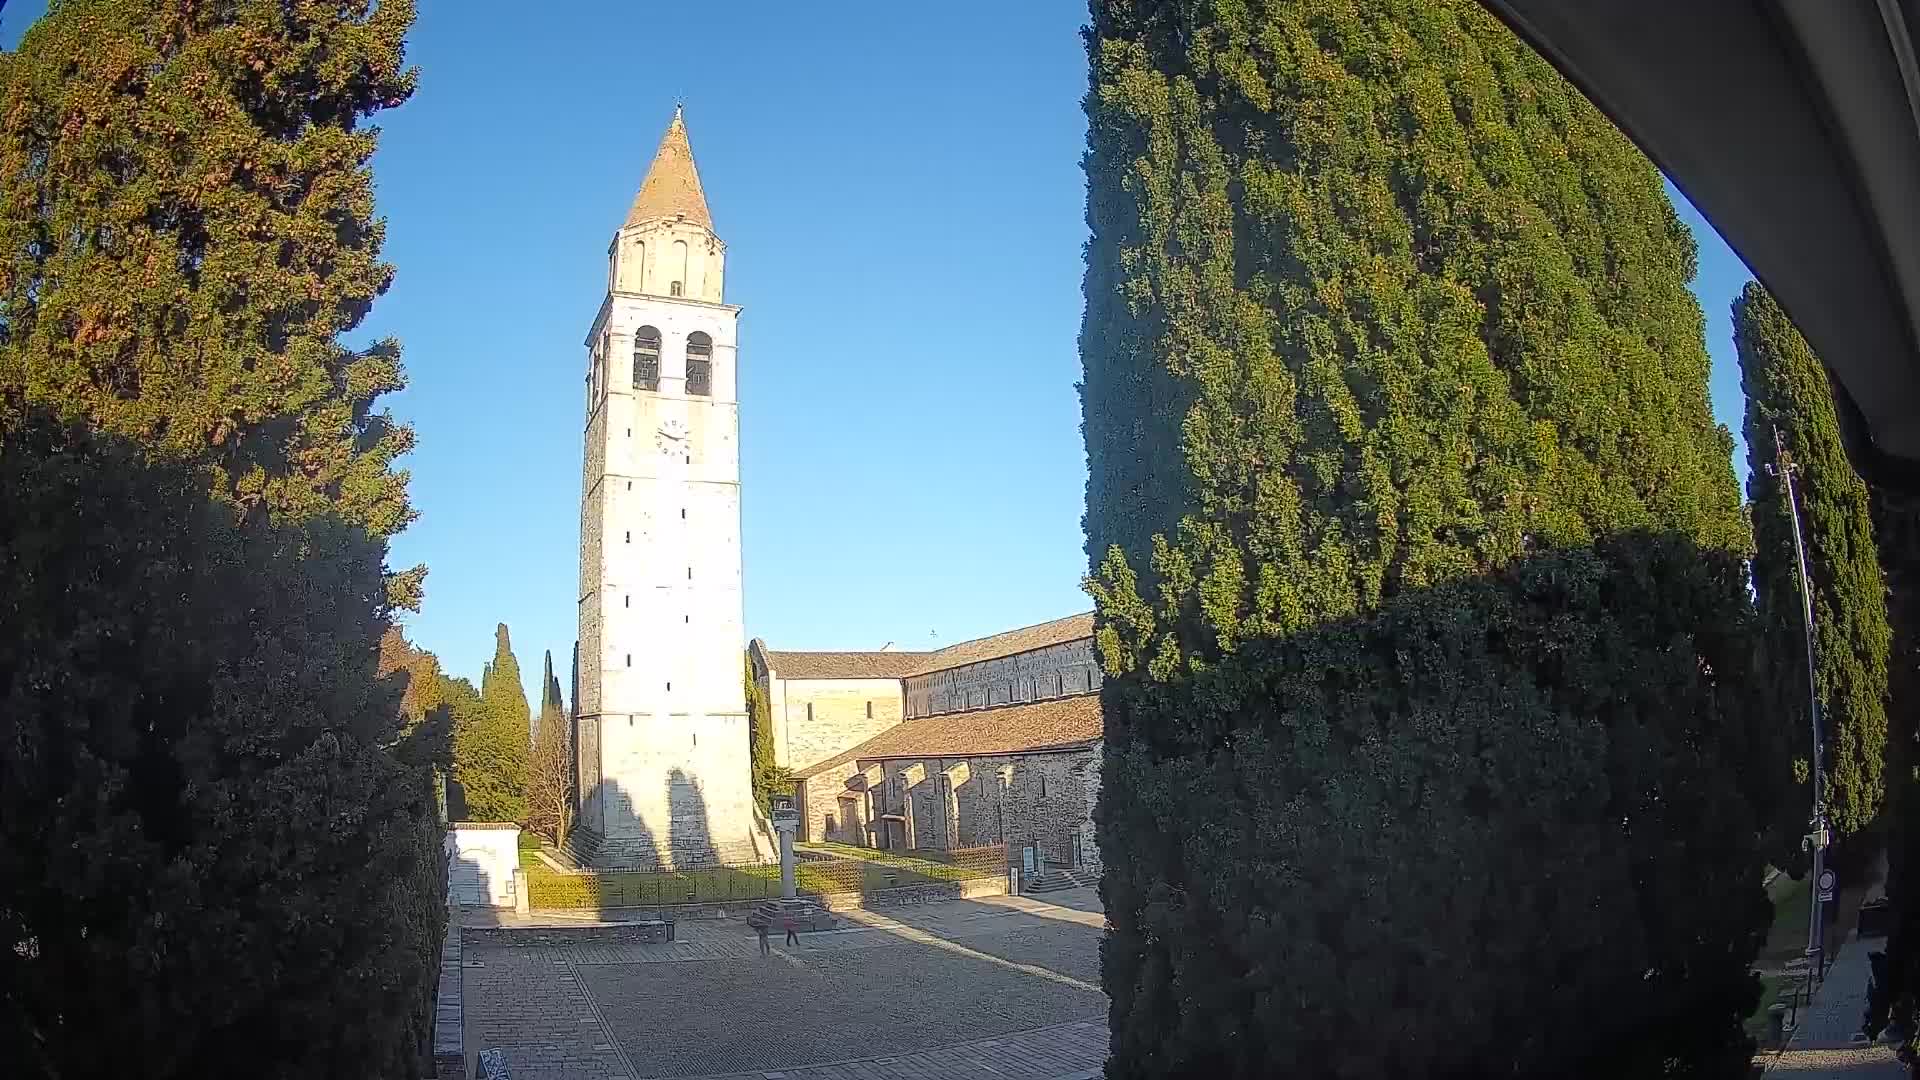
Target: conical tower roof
{"points": [[672, 186]]}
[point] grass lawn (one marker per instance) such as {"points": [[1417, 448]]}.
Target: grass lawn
{"points": [[1772, 988], [905, 865], [1787, 937], [549, 888], [1786, 940]]}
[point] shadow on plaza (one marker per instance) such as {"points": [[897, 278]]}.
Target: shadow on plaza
{"points": [[918, 979]]}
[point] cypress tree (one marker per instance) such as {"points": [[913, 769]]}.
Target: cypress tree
{"points": [[550, 700], [1788, 393], [492, 742], [186, 231], [768, 777], [1417, 563]]}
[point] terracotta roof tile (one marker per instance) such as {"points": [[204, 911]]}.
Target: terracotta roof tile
{"points": [[844, 665], [672, 186], [899, 665], [1025, 639], [1008, 729]]}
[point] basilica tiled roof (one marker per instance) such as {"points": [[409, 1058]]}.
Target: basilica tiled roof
{"points": [[844, 665], [672, 187], [1025, 639], [899, 665], [1058, 724]]}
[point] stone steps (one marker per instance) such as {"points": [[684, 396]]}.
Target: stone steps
{"points": [[1057, 880]]}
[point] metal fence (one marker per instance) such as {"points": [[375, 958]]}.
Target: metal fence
{"points": [[549, 888]]}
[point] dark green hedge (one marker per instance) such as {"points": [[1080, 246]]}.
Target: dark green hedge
{"points": [[1493, 828], [218, 848]]}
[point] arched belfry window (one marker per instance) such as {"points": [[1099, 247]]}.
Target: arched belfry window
{"points": [[699, 364], [646, 358]]}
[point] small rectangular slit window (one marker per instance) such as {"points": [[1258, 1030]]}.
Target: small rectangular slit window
{"points": [[629, 659], [629, 536]]}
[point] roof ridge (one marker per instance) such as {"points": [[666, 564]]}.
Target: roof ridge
{"points": [[1015, 630]]}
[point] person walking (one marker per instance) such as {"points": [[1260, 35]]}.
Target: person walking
{"points": [[765, 948], [792, 938]]}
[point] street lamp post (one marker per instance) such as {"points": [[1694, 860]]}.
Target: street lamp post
{"points": [[1815, 840]]}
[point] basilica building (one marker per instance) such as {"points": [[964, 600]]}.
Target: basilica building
{"points": [[995, 740]]}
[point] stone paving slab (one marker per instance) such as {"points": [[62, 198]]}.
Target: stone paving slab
{"points": [[806, 1005], [1008, 988], [1073, 1051], [1860, 1063]]}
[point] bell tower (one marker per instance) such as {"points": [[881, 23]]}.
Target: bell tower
{"points": [[661, 733]]}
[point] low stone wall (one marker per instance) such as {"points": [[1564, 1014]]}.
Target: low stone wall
{"points": [[533, 936], [930, 893], [449, 1031]]}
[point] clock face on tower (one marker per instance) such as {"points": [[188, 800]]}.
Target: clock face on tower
{"points": [[671, 438]]}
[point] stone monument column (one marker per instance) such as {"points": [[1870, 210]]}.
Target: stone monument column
{"points": [[803, 913], [786, 824]]}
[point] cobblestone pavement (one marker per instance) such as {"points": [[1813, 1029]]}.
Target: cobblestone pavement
{"points": [[1004, 986]]}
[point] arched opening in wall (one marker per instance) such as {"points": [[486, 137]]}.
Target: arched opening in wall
{"points": [[679, 265], [646, 358], [636, 274], [699, 364]]}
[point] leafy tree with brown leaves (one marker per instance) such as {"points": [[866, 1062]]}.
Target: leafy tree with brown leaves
{"points": [[550, 769]]}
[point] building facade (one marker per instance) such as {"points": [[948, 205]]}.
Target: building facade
{"points": [[661, 738], [991, 741]]}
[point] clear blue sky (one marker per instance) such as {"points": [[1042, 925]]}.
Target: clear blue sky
{"points": [[899, 189]]}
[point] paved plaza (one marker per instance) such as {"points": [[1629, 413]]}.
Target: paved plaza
{"points": [[996, 987]]}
